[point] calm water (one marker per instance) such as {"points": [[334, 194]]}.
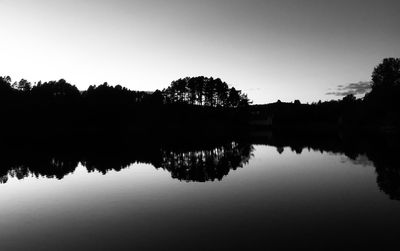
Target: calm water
{"points": [[240, 196]]}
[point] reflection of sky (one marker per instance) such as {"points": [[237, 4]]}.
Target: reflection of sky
{"points": [[291, 195], [276, 49]]}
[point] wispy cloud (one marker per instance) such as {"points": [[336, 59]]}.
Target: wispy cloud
{"points": [[359, 88]]}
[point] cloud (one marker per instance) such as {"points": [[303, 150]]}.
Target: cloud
{"points": [[359, 88]]}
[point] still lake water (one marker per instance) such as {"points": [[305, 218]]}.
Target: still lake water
{"points": [[264, 199]]}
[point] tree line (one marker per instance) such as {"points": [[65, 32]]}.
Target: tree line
{"points": [[46, 109], [378, 110], [204, 91], [62, 91], [194, 91], [192, 102]]}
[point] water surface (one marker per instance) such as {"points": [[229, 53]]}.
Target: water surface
{"points": [[228, 197]]}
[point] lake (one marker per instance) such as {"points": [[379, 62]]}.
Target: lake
{"points": [[227, 196]]}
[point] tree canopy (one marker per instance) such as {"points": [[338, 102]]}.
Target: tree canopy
{"points": [[204, 91], [387, 73], [385, 91], [190, 90]]}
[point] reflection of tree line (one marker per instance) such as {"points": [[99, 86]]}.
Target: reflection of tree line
{"points": [[380, 149], [206, 165], [210, 164], [51, 167]]}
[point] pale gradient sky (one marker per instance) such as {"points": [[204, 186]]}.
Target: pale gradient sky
{"points": [[270, 49]]}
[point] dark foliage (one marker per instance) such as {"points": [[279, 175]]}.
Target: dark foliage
{"points": [[204, 91], [197, 105], [385, 95], [58, 108], [379, 110]]}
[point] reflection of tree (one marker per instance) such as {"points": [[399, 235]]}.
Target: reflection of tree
{"points": [[379, 149], [388, 180], [202, 165], [194, 163], [103, 164], [387, 169], [206, 165], [49, 167]]}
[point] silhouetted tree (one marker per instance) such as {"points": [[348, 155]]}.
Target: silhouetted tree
{"points": [[244, 100], [209, 91], [5, 85], [221, 89], [204, 91], [60, 89], [22, 85], [386, 74], [191, 85], [349, 98], [199, 88], [385, 93], [233, 97]]}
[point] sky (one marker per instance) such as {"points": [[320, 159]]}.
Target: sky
{"points": [[300, 49]]}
